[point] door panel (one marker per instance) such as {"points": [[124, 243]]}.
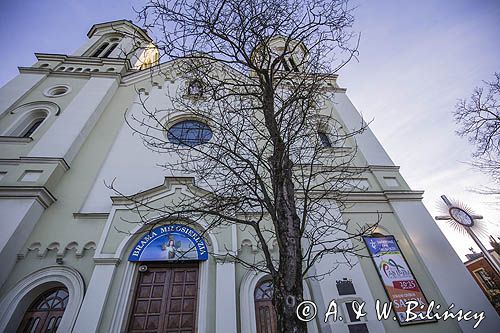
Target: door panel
{"points": [[165, 300]]}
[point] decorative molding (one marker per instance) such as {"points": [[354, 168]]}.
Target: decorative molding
{"points": [[91, 216], [373, 167], [113, 26], [224, 259], [35, 160], [50, 107], [107, 261], [40, 193], [168, 184], [80, 60], [384, 196], [32, 70], [14, 139], [55, 246], [29, 288]]}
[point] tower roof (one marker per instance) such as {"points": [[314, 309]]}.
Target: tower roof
{"points": [[119, 25]]}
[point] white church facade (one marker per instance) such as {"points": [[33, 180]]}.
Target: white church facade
{"points": [[71, 262]]}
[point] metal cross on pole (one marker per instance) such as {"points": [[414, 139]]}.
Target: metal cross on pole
{"points": [[466, 221]]}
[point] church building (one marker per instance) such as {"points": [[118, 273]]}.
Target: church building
{"points": [[72, 262]]}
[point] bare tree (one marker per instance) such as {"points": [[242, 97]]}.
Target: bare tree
{"points": [[262, 138], [479, 117]]}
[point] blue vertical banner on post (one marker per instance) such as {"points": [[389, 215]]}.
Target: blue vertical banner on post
{"points": [[398, 279]]}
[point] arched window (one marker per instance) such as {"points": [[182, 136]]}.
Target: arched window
{"points": [[32, 127], [109, 50], [195, 88], [325, 139], [100, 49], [27, 123], [264, 310], [45, 313]]}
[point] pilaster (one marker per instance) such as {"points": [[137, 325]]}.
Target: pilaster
{"points": [[89, 317], [225, 313]]}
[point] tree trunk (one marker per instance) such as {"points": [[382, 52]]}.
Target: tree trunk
{"points": [[288, 289]]}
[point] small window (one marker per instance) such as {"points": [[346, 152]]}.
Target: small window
{"points": [[32, 127], [195, 88], [358, 328], [100, 49], [57, 91], [294, 65], [485, 279], [111, 49], [345, 287], [189, 133], [285, 65], [351, 313], [325, 140]]}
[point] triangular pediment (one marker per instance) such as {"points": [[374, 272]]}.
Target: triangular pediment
{"points": [[184, 185]]}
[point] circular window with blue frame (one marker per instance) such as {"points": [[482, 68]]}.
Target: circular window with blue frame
{"points": [[189, 133]]}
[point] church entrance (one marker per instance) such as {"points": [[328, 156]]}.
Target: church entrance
{"points": [[165, 298]]}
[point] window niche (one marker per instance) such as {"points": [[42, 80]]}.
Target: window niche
{"points": [[106, 47], [345, 287], [324, 139], [195, 88], [26, 120]]}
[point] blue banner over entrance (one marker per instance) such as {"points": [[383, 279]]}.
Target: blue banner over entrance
{"points": [[170, 242]]}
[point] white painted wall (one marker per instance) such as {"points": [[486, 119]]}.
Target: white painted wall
{"points": [[134, 167], [72, 126], [17, 220], [17, 88], [368, 144]]}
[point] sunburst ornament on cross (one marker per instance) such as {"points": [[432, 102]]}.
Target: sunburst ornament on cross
{"points": [[462, 218]]}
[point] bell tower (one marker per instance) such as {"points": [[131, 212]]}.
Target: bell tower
{"points": [[120, 40]]}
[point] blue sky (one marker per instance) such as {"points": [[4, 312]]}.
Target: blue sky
{"points": [[416, 59]]}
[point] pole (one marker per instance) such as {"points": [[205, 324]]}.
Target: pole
{"points": [[486, 253]]}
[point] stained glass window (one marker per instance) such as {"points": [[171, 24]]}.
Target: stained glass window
{"points": [[189, 133]]}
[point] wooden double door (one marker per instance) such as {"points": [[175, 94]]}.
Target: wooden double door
{"points": [[165, 299]]}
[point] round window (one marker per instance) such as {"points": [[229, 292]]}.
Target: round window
{"points": [[57, 91], [189, 133]]}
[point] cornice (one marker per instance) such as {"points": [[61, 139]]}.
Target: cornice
{"points": [[33, 70], [168, 184], [36, 160], [384, 196], [107, 261], [14, 139], [114, 27], [40, 193], [83, 60], [383, 167], [97, 216]]}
